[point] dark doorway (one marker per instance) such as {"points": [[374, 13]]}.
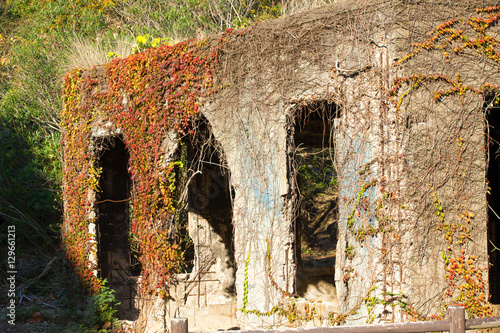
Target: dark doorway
{"points": [[493, 199], [118, 264], [315, 184]]}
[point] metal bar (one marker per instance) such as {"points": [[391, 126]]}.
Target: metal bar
{"points": [[457, 319], [203, 280], [202, 271], [130, 295], [179, 325]]}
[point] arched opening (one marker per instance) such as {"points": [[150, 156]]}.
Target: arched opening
{"points": [[211, 278], [493, 199], [118, 262], [314, 181]]}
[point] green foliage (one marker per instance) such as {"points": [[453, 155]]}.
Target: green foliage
{"points": [[245, 282], [316, 172], [59, 17], [350, 252], [27, 198], [105, 303], [180, 19], [175, 19]]}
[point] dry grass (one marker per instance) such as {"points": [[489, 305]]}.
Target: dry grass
{"points": [[86, 53]]}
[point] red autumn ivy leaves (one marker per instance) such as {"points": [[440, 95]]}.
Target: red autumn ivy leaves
{"points": [[147, 94]]}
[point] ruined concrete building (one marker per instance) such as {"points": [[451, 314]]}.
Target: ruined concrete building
{"points": [[336, 166]]}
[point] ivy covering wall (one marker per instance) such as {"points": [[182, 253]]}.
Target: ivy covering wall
{"points": [[145, 96]]}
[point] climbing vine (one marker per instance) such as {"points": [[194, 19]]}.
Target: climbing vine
{"points": [[450, 38], [361, 204], [453, 40], [144, 96], [287, 308], [464, 279]]}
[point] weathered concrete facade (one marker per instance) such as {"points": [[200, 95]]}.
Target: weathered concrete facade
{"points": [[400, 169]]}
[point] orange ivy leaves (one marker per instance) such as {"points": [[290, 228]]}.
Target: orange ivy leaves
{"points": [[466, 279], [147, 95], [450, 40], [416, 81], [465, 284]]}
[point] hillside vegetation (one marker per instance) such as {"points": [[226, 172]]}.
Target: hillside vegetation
{"points": [[40, 40]]}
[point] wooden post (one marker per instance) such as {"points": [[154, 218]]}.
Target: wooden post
{"points": [[179, 325], [457, 319]]}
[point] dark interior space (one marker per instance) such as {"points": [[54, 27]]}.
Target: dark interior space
{"points": [[210, 199], [118, 264], [186, 242], [317, 193], [493, 198]]}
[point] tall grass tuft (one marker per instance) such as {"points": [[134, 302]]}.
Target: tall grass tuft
{"points": [[85, 53]]}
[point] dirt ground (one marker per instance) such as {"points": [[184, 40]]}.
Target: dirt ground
{"points": [[319, 230]]}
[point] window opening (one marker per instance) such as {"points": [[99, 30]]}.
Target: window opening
{"points": [[493, 198], [209, 214], [313, 151], [117, 254]]}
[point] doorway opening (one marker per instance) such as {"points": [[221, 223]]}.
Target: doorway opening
{"points": [[493, 197], [209, 214], [118, 261], [315, 185]]}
